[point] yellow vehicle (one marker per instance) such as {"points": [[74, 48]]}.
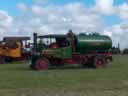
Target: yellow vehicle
{"points": [[13, 48]]}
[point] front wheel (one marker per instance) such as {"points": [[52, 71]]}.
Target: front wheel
{"points": [[99, 62], [41, 64]]}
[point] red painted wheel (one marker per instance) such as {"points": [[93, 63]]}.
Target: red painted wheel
{"points": [[99, 62], [42, 64]]}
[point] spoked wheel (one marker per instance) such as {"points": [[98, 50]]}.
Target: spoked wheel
{"points": [[99, 62], [41, 64]]}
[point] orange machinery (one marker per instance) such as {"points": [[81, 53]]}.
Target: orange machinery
{"points": [[12, 48]]}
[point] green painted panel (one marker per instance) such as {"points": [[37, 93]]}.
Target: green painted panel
{"points": [[62, 53]]}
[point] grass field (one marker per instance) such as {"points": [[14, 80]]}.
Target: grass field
{"points": [[18, 80]]}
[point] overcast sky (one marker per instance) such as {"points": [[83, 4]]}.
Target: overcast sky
{"points": [[23, 17]]}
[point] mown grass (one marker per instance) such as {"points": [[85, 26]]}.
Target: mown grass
{"points": [[18, 80]]}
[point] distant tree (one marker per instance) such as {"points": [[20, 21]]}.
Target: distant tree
{"points": [[116, 50], [125, 51]]}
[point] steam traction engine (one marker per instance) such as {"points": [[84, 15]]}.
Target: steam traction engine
{"points": [[57, 50]]}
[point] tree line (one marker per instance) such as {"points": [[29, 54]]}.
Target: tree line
{"points": [[117, 50]]}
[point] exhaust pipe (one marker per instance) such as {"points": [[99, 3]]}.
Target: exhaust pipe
{"points": [[35, 40]]}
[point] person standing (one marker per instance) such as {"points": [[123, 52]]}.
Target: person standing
{"points": [[72, 38]]}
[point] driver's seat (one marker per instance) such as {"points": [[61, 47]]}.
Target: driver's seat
{"points": [[54, 45]]}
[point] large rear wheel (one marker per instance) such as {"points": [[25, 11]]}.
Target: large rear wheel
{"points": [[99, 62], [41, 64]]}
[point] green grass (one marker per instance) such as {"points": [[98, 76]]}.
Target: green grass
{"points": [[18, 80]]}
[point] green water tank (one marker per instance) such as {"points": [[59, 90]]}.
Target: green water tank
{"points": [[93, 42]]}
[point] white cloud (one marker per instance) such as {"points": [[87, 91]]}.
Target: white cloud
{"points": [[22, 7], [70, 16], [5, 19], [123, 11], [5, 23], [105, 7], [118, 33], [37, 10], [107, 32]]}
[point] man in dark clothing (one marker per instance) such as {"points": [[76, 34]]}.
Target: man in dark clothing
{"points": [[72, 37]]}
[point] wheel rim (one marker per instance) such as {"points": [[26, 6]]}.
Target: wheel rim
{"points": [[41, 64], [99, 63]]}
